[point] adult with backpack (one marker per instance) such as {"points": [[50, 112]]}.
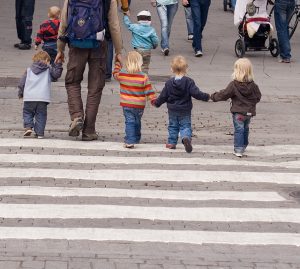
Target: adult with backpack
{"points": [[84, 25]]}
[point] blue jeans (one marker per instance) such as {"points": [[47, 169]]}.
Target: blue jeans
{"points": [[35, 116], [282, 12], [199, 13], [233, 2], [24, 17], [189, 20], [166, 15], [133, 124], [241, 132], [109, 59], [179, 124]]}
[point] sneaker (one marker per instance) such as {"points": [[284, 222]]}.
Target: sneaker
{"points": [[75, 127], [24, 46], [187, 144], [190, 37], [165, 51], [27, 133], [238, 154], [170, 146], [108, 80], [198, 53], [286, 61], [89, 137], [128, 146], [17, 45]]}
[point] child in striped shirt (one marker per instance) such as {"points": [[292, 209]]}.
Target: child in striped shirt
{"points": [[135, 88]]}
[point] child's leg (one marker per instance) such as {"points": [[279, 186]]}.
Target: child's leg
{"points": [[40, 118], [185, 124], [138, 123], [146, 54], [246, 132], [173, 129], [130, 125], [28, 114], [239, 132]]}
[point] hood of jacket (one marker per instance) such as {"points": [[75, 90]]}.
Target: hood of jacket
{"points": [[179, 87], [246, 89], [38, 67]]}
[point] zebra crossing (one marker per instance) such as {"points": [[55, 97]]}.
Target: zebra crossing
{"points": [[51, 181]]}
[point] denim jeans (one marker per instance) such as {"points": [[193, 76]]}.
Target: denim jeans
{"points": [[133, 124], [24, 17], [282, 12], [109, 59], [233, 2], [199, 13], [179, 124], [241, 132], [189, 20], [166, 15], [35, 116]]}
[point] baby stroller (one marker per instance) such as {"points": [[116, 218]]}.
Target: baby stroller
{"points": [[262, 39]]}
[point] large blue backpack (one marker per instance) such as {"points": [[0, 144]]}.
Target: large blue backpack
{"points": [[86, 18]]}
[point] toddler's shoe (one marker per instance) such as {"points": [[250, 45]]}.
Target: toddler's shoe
{"points": [[38, 136], [170, 146], [75, 127], [27, 133], [238, 154], [165, 51], [128, 146], [187, 144], [89, 137]]}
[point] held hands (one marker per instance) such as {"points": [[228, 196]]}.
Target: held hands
{"points": [[60, 57], [36, 47], [185, 2]]}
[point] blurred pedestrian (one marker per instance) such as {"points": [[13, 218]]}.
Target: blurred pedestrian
{"points": [[189, 21], [24, 17]]}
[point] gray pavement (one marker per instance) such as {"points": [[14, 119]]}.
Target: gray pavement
{"points": [[277, 123]]}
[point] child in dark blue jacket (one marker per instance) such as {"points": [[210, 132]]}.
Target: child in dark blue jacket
{"points": [[178, 93]]}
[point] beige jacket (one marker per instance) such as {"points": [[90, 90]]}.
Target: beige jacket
{"points": [[113, 24]]}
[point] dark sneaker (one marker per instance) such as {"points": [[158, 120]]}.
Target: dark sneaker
{"points": [[24, 46], [165, 51], [27, 133], [128, 146], [187, 144], [89, 137], [75, 127], [170, 146], [17, 45]]}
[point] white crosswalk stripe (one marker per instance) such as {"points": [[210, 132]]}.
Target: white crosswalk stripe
{"points": [[22, 179]]}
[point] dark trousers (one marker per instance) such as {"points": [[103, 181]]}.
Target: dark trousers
{"points": [[35, 116], [199, 14], [24, 17], [96, 59]]}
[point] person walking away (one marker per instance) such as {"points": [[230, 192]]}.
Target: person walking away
{"points": [[144, 37], [282, 12], [177, 93], [199, 14], [166, 10], [189, 21], [48, 32], [135, 89], [87, 46], [244, 95], [24, 16], [34, 88]]}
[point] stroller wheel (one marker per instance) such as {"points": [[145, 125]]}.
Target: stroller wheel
{"points": [[274, 47], [225, 5], [240, 48]]}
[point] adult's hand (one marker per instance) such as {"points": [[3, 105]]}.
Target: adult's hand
{"points": [[60, 57], [118, 58], [185, 2]]}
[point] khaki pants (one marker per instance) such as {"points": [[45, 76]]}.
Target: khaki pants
{"points": [[78, 58], [146, 54]]}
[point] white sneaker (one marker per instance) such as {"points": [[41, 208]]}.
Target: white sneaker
{"points": [[190, 37], [238, 154], [198, 53]]}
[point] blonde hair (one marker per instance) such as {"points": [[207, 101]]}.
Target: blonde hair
{"points": [[243, 70], [54, 12], [179, 65], [134, 62], [41, 56]]}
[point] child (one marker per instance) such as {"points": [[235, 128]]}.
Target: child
{"points": [[178, 93], [244, 94], [134, 88], [144, 37], [48, 33], [34, 88]]}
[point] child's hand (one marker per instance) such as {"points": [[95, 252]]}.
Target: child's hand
{"points": [[153, 102], [126, 13], [36, 47], [153, 3]]}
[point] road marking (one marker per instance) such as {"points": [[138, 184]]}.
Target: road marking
{"points": [[33, 158], [146, 194], [146, 235], [153, 175], [114, 146], [62, 211]]}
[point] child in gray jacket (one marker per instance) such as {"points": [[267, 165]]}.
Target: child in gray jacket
{"points": [[34, 88]]}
